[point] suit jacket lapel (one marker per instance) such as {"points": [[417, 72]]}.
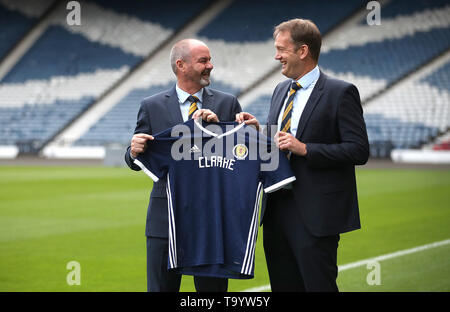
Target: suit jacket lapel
{"points": [[275, 108], [279, 101], [173, 107], [208, 100], [311, 104]]}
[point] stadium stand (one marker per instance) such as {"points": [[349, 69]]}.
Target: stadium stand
{"points": [[118, 124], [15, 25], [242, 53], [68, 69], [16, 19], [440, 78], [398, 8], [411, 113]]}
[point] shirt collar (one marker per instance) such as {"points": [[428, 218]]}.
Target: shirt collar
{"points": [[309, 78], [183, 95]]}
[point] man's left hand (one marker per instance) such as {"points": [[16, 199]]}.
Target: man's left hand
{"points": [[287, 142], [248, 119], [206, 114]]}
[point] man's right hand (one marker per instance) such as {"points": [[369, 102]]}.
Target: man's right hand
{"points": [[139, 143]]}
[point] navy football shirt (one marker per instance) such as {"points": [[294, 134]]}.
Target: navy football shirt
{"points": [[215, 173]]}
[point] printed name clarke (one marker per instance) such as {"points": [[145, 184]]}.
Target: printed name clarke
{"points": [[256, 301]]}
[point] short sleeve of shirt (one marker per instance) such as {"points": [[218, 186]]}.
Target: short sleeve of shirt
{"points": [[156, 158], [275, 169]]}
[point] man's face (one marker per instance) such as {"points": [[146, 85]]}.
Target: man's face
{"points": [[199, 67], [287, 55]]}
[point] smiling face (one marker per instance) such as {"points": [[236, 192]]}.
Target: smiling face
{"points": [[191, 62], [291, 58], [198, 68]]}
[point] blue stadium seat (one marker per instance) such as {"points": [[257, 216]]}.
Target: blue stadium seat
{"points": [[408, 7], [59, 52], [440, 78], [389, 59], [38, 122], [170, 14], [250, 21], [117, 126], [13, 27]]}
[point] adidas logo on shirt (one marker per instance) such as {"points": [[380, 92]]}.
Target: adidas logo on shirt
{"points": [[195, 149]]}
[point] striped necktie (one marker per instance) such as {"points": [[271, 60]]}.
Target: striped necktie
{"points": [[193, 107], [286, 119]]}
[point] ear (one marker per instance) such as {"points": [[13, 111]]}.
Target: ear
{"points": [[303, 51], [180, 64]]}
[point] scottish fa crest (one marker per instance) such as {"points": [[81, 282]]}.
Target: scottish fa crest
{"points": [[240, 151]]}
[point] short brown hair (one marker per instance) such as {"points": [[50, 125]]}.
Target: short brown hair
{"points": [[302, 32]]}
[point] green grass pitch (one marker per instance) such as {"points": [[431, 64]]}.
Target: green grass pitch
{"points": [[50, 216]]}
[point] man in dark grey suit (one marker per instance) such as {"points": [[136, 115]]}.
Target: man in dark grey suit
{"points": [[189, 98], [318, 121]]}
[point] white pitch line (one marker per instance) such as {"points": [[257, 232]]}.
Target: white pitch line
{"points": [[356, 264]]}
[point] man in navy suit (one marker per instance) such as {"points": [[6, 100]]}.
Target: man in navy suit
{"points": [[189, 98], [318, 121]]}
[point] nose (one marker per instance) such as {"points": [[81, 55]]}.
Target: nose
{"points": [[209, 66], [277, 56]]}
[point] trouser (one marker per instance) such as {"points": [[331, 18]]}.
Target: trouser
{"points": [[297, 260], [159, 279]]}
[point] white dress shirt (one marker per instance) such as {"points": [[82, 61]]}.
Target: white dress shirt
{"points": [[307, 82]]}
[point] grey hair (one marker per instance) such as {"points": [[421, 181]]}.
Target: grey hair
{"points": [[180, 51]]}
